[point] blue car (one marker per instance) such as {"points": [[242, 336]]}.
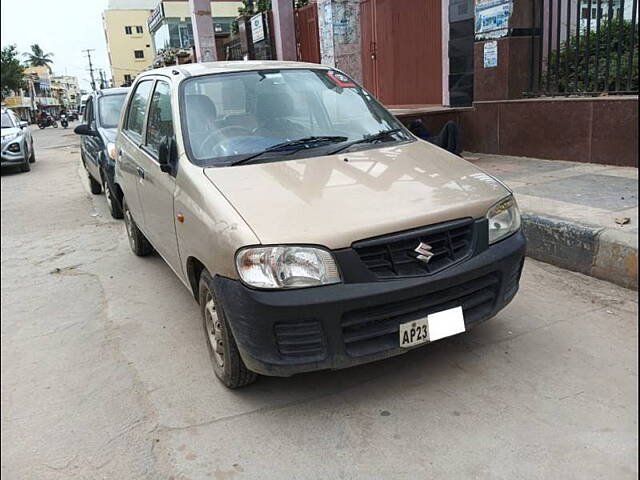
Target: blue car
{"points": [[98, 129]]}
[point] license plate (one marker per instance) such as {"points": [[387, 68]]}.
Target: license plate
{"points": [[434, 327]]}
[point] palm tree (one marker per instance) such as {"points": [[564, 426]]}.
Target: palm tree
{"points": [[37, 57]]}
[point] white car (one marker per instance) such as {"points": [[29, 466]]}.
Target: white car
{"points": [[17, 143]]}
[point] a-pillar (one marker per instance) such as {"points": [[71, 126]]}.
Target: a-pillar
{"points": [[284, 29]]}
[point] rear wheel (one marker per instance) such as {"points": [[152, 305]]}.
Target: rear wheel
{"points": [[223, 350], [94, 185], [139, 244], [112, 202]]}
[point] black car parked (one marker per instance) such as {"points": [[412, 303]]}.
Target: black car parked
{"points": [[98, 129]]}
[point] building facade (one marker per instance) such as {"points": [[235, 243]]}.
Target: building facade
{"points": [[128, 40], [170, 23], [67, 90]]}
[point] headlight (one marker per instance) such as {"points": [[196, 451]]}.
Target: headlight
{"points": [[112, 150], [504, 219], [286, 267]]}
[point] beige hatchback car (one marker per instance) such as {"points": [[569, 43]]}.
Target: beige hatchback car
{"points": [[313, 229]]}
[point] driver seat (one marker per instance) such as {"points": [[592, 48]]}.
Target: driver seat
{"points": [[201, 120]]}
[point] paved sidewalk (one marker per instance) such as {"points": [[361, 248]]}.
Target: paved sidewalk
{"points": [[575, 213]]}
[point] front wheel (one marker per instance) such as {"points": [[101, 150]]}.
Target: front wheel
{"points": [[139, 244], [223, 350], [94, 185]]}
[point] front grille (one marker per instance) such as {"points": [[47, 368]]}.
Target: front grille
{"points": [[375, 329], [394, 255], [301, 340]]}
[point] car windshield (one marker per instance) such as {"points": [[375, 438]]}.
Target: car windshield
{"points": [[227, 117], [6, 120], [110, 108]]}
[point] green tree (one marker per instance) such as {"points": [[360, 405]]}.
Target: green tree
{"points": [[11, 71], [37, 57], [570, 76]]}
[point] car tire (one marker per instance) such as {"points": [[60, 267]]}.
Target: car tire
{"points": [[94, 185], [139, 244], [223, 350], [26, 166], [112, 202], [32, 157]]}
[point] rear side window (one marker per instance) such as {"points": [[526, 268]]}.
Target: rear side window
{"points": [[137, 108], [160, 124]]}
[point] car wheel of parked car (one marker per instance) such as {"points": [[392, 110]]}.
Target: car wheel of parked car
{"points": [[225, 357], [114, 206], [32, 157], [26, 166], [94, 185], [137, 241]]}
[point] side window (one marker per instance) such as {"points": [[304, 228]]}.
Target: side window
{"points": [[137, 107], [160, 124], [88, 112]]}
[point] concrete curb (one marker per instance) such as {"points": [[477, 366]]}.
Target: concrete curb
{"points": [[600, 252]]}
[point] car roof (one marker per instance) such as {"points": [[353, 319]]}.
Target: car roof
{"points": [[112, 91], [206, 68]]}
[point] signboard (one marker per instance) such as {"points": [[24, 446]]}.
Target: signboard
{"points": [[257, 28], [492, 18], [156, 17], [491, 54]]}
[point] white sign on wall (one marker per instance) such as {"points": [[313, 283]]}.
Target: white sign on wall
{"points": [[257, 28], [491, 54]]}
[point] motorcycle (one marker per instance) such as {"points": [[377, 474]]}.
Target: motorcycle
{"points": [[63, 121], [47, 121]]}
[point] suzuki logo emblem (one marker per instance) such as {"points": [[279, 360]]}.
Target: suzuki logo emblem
{"points": [[424, 252]]}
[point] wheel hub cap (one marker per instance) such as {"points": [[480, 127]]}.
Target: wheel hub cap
{"points": [[214, 332]]}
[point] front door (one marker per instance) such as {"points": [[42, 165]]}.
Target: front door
{"points": [[130, 173], [156, 188], [91, 146], [402, 50]]}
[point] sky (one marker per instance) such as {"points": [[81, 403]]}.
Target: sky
{"points": [[62, 27]]}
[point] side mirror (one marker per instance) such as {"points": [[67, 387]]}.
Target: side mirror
{"points": [[85, 129], [24, 124], [167, 154]]}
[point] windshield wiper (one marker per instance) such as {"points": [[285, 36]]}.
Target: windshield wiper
{"points": [[303, 143], [368, 139]]}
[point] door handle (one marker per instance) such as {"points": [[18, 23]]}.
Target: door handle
{"points": [[140, 171]]}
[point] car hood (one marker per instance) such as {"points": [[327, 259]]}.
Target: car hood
{"points": [[10, 132], [338, 199]]}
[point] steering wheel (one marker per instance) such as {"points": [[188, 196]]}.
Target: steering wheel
{"points": [[214, 138]]}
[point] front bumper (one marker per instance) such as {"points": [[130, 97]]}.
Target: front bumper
{"points": [[12, 158], [281, 333]]}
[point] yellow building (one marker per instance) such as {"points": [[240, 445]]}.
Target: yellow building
{"points": [[128, 39]]}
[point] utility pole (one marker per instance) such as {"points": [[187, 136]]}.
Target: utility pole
{"points": [[203, 34], [103, 83], [93, 80]]}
